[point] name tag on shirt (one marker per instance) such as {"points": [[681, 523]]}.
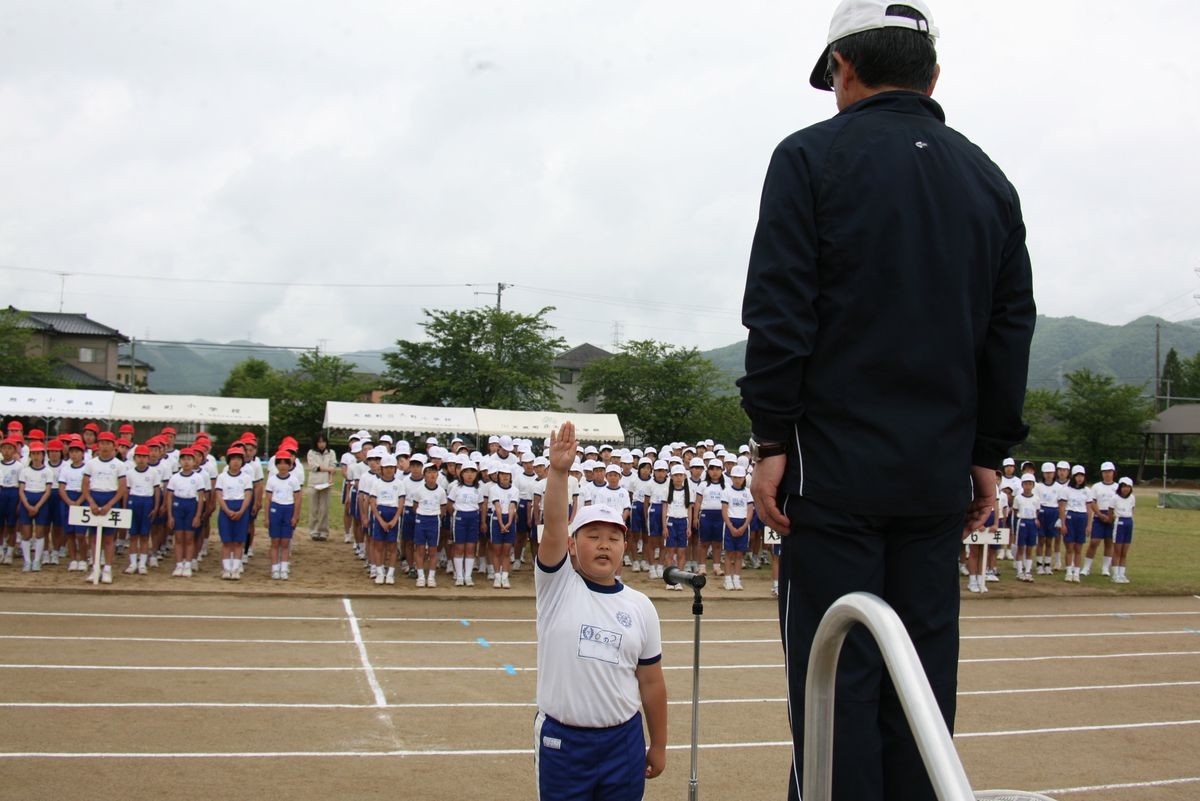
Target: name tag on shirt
{"points": [[599, 644]]}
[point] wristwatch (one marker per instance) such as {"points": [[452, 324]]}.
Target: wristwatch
{"points": [[765, 450]]}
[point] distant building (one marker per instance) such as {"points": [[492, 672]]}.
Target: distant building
{"points": [[568, 367], [133, 373], [85, 350]]}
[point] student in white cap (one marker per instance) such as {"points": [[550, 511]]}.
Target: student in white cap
{"points": [[1105, 492], [736, 508], [1049, 495], [599, 655], [1123, 506], [503, 500], [677, 520], [1025, 509], [1081, 509], [348, 459], [385, 505], [1062, 473]]}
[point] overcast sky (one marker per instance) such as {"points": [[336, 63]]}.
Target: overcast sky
{"points": [[604, 158]]}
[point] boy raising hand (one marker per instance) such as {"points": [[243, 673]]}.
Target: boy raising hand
{"points": [[599, 655]]}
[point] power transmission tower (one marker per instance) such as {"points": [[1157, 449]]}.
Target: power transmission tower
{"points": [[617, 333]]}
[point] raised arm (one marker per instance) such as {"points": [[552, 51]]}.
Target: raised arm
{"points": [[552, 546]]}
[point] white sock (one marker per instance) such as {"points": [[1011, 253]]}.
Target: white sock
{"points": [[391, 572], [283, 566], [1028, 566], [1107, 563], [1087, 563], [470, 565], [142, 559], [458, 567], [420, 573], [26, 550], [39, 546]]}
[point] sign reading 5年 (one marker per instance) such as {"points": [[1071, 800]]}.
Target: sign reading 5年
{"points": [[115, 518]]}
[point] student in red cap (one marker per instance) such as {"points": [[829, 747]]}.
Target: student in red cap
{"points": [[70, 492], [170, 452], [145, 491], [33, 517], [158, 515], [10, 479], [254, 469], [91, 434], [284, 499], [55, 537], [185, 500], [104, 489], [234, 492]]}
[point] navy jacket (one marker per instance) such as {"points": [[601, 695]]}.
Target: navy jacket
{"points": [[889, 302]]}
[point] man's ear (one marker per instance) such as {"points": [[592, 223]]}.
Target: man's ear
{"points": [[845, 70], [937, 70]]}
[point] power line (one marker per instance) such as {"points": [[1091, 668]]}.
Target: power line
{"points": [[233, 282]]}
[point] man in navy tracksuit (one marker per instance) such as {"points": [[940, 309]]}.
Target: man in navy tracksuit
{"points": [[890, 309]]}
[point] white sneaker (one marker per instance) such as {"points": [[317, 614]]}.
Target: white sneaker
{"points": [[178, 570], [106, 575], [1087, 572], [284, 574], [637, 567], [504, 584], [27, 567], [142, 569], [431, 581], [1105, 573], [187, 570], [962, 569], [275, 572], [153, 560], [496, 581], [774, 592], [972, 585], [458, 581], [983, 587], [420, 581], [491, 573], [195, 566], [628, 561], [7, 558], [389, 578], [225, 574], [729, 582], [470, 582], [347, 538], [737, 583], [379, 577], [131, 570]]}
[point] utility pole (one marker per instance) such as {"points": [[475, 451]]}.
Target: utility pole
{"points": [[62, 289], [500, 291], [1157, 364]]}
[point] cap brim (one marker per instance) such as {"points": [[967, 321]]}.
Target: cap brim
{"points": [[817, 78]]}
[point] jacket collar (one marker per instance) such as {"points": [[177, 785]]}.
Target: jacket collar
{"points": [[901, 101]]}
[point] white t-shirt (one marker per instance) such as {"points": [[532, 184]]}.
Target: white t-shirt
{"points": [[678, 507], [70, 477], [656, 492], [1123, 507], [616, 499], [1048, 495], [104, 476], [1104, 495], [142, 483], [739, 501], [298, 470], [37, 479], [503, 496], [591, 641], [388, 494], [525, 484], [233, 488], [712, 495], [1027, 508], [187, 486], [1079, 498], [429, 501], [283, 490], [1012, 482], [466, 499], [366, 482], [411, 487]]}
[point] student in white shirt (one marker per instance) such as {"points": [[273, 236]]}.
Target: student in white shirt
{"points": [[70, 492], [1026, 506], [35, 488], [284, 495], [56, 537], [1049, 527], [1104, 491], [346, 462], [387, 499], [736, 508], [1080, 506], [541, 466], [430, 500], [1123, 506], [654, 495], [467, 500], [185, 495], [104, 489], [234, 492], [503, 501], [599, 654], [145, 490]]}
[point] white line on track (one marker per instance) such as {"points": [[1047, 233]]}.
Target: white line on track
{"points": [[1036, 617], [206, 640], [507, 751], [1069, 657], [380, 699], [513, 704], [169, 616], [1122, 786]]}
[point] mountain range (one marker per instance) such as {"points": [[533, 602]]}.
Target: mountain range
{"points": [[1060, 345]]}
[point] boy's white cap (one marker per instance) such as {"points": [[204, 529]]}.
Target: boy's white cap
{"points": [[377, 452], [387, 460], [612, 468], [651, 449], [661, 465], [857, 16], [596, 514], [1030, 477], [504, 467], [541, 461], [716, 463], [1108, 466], [590, 449], [1009, 461], [709, 455], [1047, 467], [385, 437], [456, 439], [431, 440], [744, 461], [526, 457], [419, 458], [696, 462], [576, 467], [729, 457], [493, 440], [403, 449], [675, 460], [627, 459], [1064, 465], [1126, 480], [645, 460], [677, 470], [362, 433], [738, 472], [638, 452], [506, 443], [1077, 469], [606, 447], [355, 446], [435, 452], [476, 456], [743, 449]]}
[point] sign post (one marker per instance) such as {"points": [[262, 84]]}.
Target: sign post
{"points": [[116, 518]]}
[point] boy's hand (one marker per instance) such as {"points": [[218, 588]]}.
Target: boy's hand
{"points": [[656, 760], [562, 448]]}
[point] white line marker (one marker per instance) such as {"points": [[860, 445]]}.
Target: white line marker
{"points": [[1123, 786], [165, 615], [380, 699], [1134, 655], [202, 640], [1081, 688], [508, 751], [1036, 617]]}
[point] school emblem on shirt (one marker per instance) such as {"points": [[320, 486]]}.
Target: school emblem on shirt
{"points": [[625, 620]]}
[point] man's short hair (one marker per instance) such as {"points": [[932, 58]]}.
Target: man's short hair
{"points": [[890, 56]]}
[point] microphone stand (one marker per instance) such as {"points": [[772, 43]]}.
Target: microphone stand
{"points": [[697, 611]]}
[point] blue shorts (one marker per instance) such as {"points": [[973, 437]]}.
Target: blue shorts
{"points": [[1076, 528], [232, 531], [408, 524], [141, 506], [736, 544], [637, 518], [74, 495], [1124, 532], [677, 532], [184, 512], [279, 521], [1027, 534], [42, 518], [100, 498], [574, 764], [712, 525], [756, 525], [9, 501], [1101, 530], [58, 514], [502, 537], [378, 532], [466, 527], [352, 505], [656, 523], [426, 530], [1048, 517], [523, 517]]}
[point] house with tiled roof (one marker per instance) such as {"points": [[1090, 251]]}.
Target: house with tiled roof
{"points": [[85, 350], [568, 367]]}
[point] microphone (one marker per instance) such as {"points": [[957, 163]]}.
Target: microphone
{"points": [[673, 575]]}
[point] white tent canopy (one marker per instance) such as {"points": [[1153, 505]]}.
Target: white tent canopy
{"points": [[190, 408], [588, 427], [399, 417], [47, 402]]}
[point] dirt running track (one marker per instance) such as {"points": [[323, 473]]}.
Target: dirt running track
{"points": [[174, 697]]}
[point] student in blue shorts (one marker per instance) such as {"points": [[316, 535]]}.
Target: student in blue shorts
{"points": [[145, 496], [737, 506], [1123, 506], [234, 491], [599, 655], [284, 499]]}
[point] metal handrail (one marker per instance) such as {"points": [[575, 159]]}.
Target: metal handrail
{"points": [[920, 707]]}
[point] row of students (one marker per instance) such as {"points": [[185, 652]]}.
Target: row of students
{"points": [[1057, 512]]}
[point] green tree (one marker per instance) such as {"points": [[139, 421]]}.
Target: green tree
{"points": [[662, 393], [1100, 417], [483, 357], [1189, 386], [1046, 438], [298, 396], [1172, 379], [17, 367]]}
